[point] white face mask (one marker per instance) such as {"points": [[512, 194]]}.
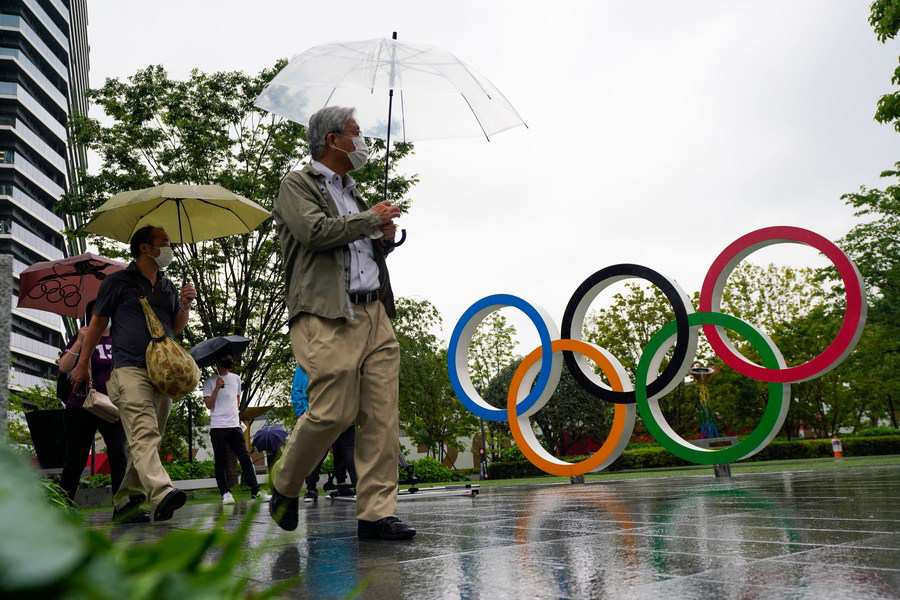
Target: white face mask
{"points": [[360, 154], [165, 258]]}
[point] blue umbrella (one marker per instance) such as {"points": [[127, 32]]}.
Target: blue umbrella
{"points": [[270, 438]]}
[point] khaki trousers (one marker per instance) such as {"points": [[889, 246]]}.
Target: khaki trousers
{"points": [[354, 371], [143, 411]]}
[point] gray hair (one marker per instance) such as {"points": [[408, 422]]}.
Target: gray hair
{"points": [[330, 119]]}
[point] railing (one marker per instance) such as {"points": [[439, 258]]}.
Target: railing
{"points": [[61, 9], [16, 22], [33, 140], [35, 73], [48, 23], [45, 318], [39, 245], [29, 204], [18, 92], [18, 267], [24, 344], [35, 175], [21, 381]]}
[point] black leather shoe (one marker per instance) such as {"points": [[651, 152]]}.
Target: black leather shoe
{"points": [[388, 528], [131, 513], [172, 502], [284, 511]]}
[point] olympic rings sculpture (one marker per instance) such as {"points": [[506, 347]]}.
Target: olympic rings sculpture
{"points": [[537, 377]]}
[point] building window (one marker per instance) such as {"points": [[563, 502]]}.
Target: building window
{"points": [[6, 157]]}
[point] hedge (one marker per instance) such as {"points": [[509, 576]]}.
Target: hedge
{"points": [[656, 457], [199, 469]]}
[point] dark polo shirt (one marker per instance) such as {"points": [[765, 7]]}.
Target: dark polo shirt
{"points": [[118, 300]]}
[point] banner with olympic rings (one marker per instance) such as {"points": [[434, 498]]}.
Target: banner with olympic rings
{"points": [[537, 377]]}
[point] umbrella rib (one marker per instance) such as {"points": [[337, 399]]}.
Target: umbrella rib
{"points": [[403, 115], [328, 99], [476, 116], [475, 79], [187, 215], [377, 64], [143, 216], [237, 216]]}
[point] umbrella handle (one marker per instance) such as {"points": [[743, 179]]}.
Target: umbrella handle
{"points": [[400, 242]]}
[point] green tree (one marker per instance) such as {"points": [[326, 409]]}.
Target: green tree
{"points": [[571, 413], [790, 304], [884, 17], [624, 327], [491, 351], [429, 411], [201, 130], [874, 245]]}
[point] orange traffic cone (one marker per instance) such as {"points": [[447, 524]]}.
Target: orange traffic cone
{"points": [[837, 447]]}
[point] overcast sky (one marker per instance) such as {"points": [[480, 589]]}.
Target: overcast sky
{"points": [[659, 131]]}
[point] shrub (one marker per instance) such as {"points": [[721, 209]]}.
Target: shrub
{"points": [[877, 431], [870, 446], [428, 470], [179, 470], [511, 454], [655, 457]]}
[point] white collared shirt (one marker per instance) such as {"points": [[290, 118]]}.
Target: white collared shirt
{"points": [[363, 268]]}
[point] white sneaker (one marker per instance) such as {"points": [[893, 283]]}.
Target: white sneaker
{"points": [[262, 496], [227, 499]]}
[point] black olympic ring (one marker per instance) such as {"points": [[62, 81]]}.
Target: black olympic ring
{"points": [[54, 291], [685, 341]]}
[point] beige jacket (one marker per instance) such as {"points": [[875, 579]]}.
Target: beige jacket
{"points": [[314, 246]]}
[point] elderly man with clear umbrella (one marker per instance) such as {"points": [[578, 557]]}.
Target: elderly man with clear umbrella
{"points": [[340, 302]]}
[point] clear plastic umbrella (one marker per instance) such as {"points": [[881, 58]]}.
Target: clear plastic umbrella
{"points": [[435, 95], [438, 96]]}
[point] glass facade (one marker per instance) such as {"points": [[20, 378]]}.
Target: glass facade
{"points": [[43, 80]]}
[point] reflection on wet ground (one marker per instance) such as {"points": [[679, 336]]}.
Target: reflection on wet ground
{"points": [[786, 535]]}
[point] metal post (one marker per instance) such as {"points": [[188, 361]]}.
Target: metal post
{"points": [[6, 288], [190, 412], [483, 452], [722, 471]]}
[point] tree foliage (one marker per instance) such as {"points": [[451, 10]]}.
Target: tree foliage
{"points": [[205, 129], [570, 415], [429, 411]]}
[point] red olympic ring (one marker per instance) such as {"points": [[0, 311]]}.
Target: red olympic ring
{"points": [[834, 353]]}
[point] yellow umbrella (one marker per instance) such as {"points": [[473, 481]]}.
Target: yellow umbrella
{"points": [[189, 213]]}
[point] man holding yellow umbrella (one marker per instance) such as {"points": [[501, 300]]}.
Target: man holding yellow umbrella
{"points": [[150, 220]]}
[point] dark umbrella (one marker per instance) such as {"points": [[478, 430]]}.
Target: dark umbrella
{"points": [[270, 438], [207, 353], [64, 287]]}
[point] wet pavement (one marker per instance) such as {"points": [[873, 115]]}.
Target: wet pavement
{"points": [[831, 534]]}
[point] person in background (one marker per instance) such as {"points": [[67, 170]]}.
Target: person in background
{"points": [[143, 409], [222, 396], [82, 426], [342, 449]]}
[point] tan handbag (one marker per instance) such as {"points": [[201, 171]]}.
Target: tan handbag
{"points": [[170, 368], [101, 406]]}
